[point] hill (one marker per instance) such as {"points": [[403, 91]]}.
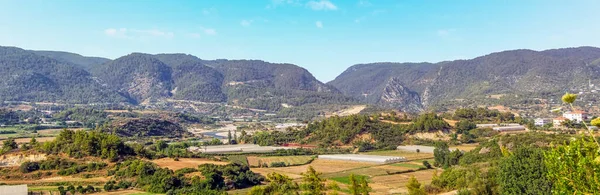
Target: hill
{"points": [[521, 72], [82, 61], [139, 77], [31, 77], [144, 127]]}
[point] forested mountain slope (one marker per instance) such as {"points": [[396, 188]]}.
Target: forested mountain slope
{"points": [[510, 72], [84, 62], [31, 77]]}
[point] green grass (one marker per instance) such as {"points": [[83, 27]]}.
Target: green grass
{"points": [[346, 180], [407, 165], [240, 159]]}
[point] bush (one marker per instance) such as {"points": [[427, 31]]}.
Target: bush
{"points": [[278, 164], [426, 164], [27, 167]]}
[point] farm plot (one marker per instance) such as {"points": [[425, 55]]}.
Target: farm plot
{"points": [[185, 163], [400, 180], [408, 155], [320, 165], [288, 160]]}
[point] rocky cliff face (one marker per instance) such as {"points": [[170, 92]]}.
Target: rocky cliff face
{"points": [[394, 93]]}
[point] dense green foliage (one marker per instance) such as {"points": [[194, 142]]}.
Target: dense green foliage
{"points": [[151, 178], [79, 144], [428, 122], [524, 172], [574, 168], [88, 116], [278, 184]]}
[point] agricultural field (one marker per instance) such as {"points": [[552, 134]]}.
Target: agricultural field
{"points": [[185, 163], [408, 155], [383, 178], [288, 160]]}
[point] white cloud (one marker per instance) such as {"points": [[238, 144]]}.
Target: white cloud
{"points": [[137, 33], [364, 3], [210, 31], [321, 5], [246, 23], [319, 24]]}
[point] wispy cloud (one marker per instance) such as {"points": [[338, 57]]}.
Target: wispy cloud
{"points": [[321, 5], [137, 33], [364, 3], [246, 23], [319, 24]]}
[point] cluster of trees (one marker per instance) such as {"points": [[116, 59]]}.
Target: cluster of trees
{"points": [[484, 115], [79, 144], [8, 117], [79, 189], [335, 130], [8, 145], [65, 167], [428, 122], [521, 164], [89, 117], [312, 183], [215, 178]]}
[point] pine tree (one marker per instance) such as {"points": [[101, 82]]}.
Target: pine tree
{"points": [[229, 137]]}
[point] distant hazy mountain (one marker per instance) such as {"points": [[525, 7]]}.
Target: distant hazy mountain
{"points": [[511, 72], [27, 76], [84, 62]]}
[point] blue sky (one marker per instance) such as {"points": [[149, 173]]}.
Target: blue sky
{"points": [[323, 36]]}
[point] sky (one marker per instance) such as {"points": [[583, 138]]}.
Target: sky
{"points": [[323, 36]]}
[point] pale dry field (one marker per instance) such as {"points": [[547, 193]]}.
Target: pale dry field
{"points": [[320, 165], [389, 184], [466, 147], [60, 179], [38, 139], [185, 163]]}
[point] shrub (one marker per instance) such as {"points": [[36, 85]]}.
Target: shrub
{"points": [[278, 164], [27, 167]]}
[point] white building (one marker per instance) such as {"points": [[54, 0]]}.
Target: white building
{"points": [[557, 122], [510, 128], [576, 116], [542, 121]]}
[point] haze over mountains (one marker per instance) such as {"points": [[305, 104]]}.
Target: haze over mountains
{"points": [[140, 78]]}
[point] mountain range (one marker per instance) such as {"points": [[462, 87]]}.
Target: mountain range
{"points": [[138, 78]]}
